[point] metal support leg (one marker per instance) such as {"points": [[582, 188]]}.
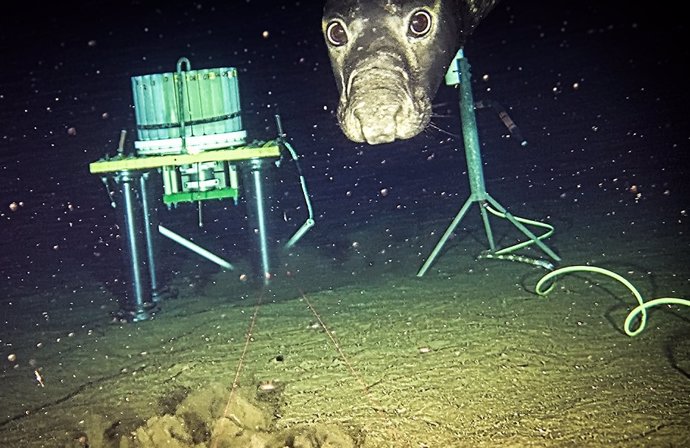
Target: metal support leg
{"points": [[449, 231], [149, 215], [138, 305], [256, 203]]}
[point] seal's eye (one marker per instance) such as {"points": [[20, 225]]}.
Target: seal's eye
{"points": [[336, 34], [420, 24]]}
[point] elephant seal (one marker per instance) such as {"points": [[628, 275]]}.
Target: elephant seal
{"points": [[389, 57]]}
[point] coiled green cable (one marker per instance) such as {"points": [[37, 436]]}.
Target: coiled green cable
{"points": [[640, 309]]}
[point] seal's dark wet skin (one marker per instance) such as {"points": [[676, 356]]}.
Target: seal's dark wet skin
{"points": [[389, 57]]}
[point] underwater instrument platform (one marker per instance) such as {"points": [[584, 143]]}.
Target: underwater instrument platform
{"points": [[189, 132]]}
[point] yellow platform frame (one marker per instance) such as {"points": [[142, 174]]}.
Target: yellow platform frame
{"points": [[149, 162]]}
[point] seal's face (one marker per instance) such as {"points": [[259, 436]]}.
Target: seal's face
{"points": [[389, 57]]}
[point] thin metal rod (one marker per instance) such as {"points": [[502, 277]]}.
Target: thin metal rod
{"points": [[308, 224], [182, 241], [487, 227]]}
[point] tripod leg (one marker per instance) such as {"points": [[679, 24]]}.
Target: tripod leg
{"points": [[487, 228], [522, 228], [445, 237]]}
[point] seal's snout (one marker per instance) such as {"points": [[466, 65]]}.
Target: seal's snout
{"points": [[380, 125], [380, 106]]}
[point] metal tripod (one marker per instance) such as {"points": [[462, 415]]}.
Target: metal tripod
{"points": [[459, 73]]}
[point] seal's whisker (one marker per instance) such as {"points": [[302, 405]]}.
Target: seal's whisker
{"points": [[440, 129], [442, 116]]}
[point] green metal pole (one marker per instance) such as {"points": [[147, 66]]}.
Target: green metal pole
{"points": [[473, 154], [475, 170]]}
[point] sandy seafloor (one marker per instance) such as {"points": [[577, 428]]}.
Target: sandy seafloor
{"points": [[466, 356], [351, 349]]}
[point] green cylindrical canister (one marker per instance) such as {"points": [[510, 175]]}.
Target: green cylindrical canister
{"points": [[187, 111]]}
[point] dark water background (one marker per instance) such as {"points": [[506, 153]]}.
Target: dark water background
{"points": [[597, 89]]}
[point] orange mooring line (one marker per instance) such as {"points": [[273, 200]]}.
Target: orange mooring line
{"points": [[335, 343], [353, 372], [240, 363], [375, 404]]}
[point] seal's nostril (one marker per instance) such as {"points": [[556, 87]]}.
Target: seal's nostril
{"points": [[378, 125]]}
